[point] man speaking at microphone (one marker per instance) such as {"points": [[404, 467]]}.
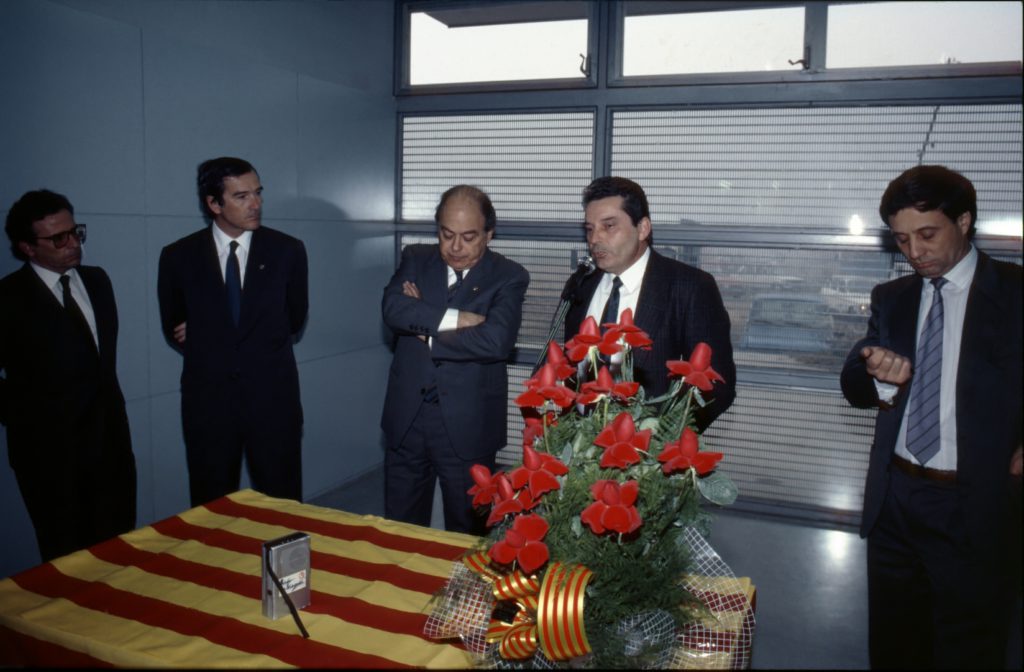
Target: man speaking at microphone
{"points": [[677, 305]]}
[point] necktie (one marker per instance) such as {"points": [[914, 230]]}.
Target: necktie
{"points": [[72, 306], [611, 307], [453, 289], [233, 283], [923, 418]]}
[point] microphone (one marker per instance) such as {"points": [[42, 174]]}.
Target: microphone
{"points": [[586, 267]]}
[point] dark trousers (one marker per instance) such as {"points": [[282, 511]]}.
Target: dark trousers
{"points": [[76, 505], [411, 468], [216, 443], [934, 601]]}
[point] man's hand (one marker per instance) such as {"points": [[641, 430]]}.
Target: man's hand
{"points": [[410, 289], [468, 319], [179, 333], [1017, 463], [886, 366]]}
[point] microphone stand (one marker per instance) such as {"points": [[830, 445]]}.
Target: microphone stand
{"points": [[585, 268]]}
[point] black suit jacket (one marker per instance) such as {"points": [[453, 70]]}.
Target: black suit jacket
{"points": [[988, 392], [254, 360], [679, 306], [60, 401], [467, 365]]}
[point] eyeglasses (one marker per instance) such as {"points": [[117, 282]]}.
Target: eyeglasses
{"points": [[59, 240]]}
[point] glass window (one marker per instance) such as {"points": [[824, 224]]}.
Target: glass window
{"points": [[749, 40], [922, 33], [498, 42]]}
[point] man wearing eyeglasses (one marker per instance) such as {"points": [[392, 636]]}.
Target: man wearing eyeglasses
{"points": [[67, 431]]}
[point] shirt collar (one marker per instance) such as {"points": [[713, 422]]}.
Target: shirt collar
{"points": [[223, 240], [633, 276], [961, 275], [51, 278]]}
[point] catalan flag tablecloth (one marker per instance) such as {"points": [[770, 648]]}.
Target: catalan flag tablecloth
{"points": [[185, 592]]}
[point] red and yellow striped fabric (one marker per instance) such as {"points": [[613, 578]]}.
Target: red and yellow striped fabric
{"points": [[185, 592]]}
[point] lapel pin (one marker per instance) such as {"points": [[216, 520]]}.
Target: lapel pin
{"points": [[261, 267]]}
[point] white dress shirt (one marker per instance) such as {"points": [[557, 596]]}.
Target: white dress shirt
{"points": [[78, 293], [629, 293], [450, 321], [223, 243], [954, 307]]}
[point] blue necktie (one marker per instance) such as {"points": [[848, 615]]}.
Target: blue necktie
{"points": [[453, 289], [923, 418], [233, 283]]}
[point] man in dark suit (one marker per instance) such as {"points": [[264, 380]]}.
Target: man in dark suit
{"points": [[67, 430], [942, 363], [239, 289], [677, 305], [455, 308]]}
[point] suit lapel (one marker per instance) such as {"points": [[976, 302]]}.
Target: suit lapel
{"points": [[903, 329], [99, 310]]}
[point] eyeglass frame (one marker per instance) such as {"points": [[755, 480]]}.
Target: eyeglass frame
{"points": [[60, 240]]}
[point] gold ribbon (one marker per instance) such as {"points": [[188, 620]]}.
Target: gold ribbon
{"points": [[550, 611]]}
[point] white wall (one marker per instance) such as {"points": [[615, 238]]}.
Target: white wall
{"points": [[115, 102]]}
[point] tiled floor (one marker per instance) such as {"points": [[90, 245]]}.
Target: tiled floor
{"points": [[811, 583]]}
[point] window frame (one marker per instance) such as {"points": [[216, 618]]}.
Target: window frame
{"points": [[813, 56], [403, 35]]}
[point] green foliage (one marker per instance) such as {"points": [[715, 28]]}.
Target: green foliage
{"points": [[640, 571]]}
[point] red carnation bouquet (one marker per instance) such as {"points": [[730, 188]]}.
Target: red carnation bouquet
{"points": [[596, 552]]}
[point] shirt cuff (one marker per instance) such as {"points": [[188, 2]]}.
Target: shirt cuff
{"points": [[450, 321], [886, 391]]}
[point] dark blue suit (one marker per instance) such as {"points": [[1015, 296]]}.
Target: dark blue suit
{"points": [[964, 531], [239, 384], [679, 306], [67, 429], [467, 366]]}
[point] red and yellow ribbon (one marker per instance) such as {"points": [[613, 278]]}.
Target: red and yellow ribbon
{"points": [[550, 611]]}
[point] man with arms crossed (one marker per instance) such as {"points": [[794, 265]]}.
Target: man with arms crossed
{"points": [[455, 309]]}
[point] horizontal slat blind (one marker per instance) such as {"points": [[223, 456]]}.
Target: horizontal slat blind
{"points": [[810, 168], [533, 166], [722, 184]]}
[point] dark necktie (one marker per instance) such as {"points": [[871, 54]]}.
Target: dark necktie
{"points": [[453, 289], [233, 283], [73, 308], [611, 307], [923, 414]]}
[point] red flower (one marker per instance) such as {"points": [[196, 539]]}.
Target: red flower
{"points": [[580, 344], [486, 489], [697, 371], [538, 471], [621, 441], [614, 508], [513, 504], [562, 367], [634, 336], [605, 385], [684, 453], [545, 387], [523, 544]]}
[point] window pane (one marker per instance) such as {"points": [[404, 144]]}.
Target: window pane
{"points": [[923, 33], [498, 43], [702, 42]]}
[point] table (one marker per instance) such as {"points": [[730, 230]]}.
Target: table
{"points": [[185, 592]]}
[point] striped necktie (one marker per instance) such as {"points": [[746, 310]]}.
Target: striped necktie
{"points": [[923, 418]]}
